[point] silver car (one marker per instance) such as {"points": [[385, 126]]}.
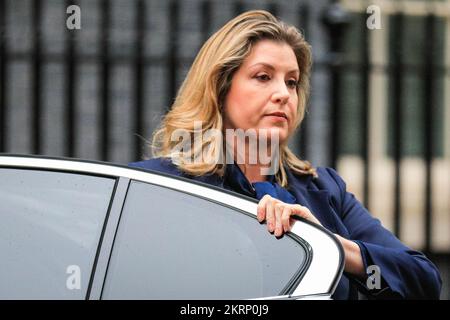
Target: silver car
{"points": [[73, 229]]}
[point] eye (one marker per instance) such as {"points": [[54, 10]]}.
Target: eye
{"points": [[292, 83], [263, 77]]}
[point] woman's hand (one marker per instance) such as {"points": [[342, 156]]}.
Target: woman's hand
{"points": [[278, 214]]}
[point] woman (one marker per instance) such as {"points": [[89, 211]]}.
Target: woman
{"points": [[251, 78]]}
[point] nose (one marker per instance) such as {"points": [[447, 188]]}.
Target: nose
{"points": [[281, 93]]}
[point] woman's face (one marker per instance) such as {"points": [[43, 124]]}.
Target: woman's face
{"points": [[263, 93]]}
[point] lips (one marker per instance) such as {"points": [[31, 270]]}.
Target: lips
{"points": [[278, 114]]}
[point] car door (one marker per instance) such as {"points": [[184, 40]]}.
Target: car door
{"points": [[178, 239], [175, 245]]}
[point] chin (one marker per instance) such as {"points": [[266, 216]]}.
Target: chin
{"points": [[280, 132]]}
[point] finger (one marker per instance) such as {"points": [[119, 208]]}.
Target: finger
{"points": [[270, 216], [285, 218], [300, 211], [261, 210], [305, 213], [278, 226]]}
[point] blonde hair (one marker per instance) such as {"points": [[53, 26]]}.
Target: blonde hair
{"points": [[202, 94]]}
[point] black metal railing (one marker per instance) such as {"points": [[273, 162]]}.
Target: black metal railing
{"points": [[335, 19], [72, 60], [430, 72]]}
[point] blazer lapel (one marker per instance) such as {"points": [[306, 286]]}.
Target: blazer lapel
{"points": [[306, 193], [318, 201]]}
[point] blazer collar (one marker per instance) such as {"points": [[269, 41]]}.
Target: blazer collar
{"points": [[300, 181], [233, 179], [305, 189]]}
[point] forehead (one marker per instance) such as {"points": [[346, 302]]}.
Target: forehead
{"points": [[278, 54]]}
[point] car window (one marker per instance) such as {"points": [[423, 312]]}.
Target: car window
{"points": [[171, 245], [50, 226]]}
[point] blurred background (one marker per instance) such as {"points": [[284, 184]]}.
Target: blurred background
{"points": [[379, 110]]}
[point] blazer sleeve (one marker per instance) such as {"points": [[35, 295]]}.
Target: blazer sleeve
{"points": [[405, 273]]}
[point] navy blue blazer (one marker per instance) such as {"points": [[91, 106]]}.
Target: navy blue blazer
{"points": [[405, 273]]}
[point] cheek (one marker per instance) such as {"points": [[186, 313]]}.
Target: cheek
{"points": [[294, 111], [243, 106], [241, 115], [294, 106]]}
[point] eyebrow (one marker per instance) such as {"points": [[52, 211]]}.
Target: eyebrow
{"points": [[271, 67]]}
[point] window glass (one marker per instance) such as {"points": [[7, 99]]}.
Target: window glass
{"points": [[49, 232], [171, 245]]}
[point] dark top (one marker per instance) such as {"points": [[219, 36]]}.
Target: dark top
{"points": [[405, 273]]}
